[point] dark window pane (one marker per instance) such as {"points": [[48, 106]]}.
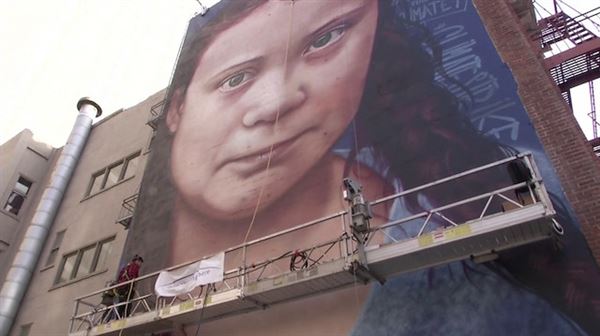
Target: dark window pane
{"points": [[85, 265], [59, 238], [96, 184], [25, 329], [51, 257], [14, 203], [67, 269], [54, 252]]}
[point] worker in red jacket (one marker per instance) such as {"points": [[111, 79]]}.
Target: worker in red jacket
{"points": [[126, 292]]}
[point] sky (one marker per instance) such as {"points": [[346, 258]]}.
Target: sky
{"points": [[118, 52]]}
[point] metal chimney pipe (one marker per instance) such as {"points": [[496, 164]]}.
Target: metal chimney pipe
{"points": [[26, 259]]}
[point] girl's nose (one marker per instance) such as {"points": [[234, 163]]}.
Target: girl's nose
{"points": [[279, 96]]}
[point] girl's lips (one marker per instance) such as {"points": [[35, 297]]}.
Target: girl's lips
{"points": [[252, 163]]}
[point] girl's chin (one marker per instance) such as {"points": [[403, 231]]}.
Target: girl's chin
{"points": [[241, 212], [225, 214]]}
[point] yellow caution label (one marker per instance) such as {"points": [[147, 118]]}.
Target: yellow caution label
{"points": [[187, 305], [425, 240], [444, 235], [165, 311], [458, 231], [100, 328], [208, 300]]}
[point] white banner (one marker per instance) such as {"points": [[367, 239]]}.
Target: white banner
{"points": [[185, 279]]}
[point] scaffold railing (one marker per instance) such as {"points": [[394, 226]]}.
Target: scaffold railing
{"points": [[478, 226]]}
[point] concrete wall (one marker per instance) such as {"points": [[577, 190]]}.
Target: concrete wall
{"points": [[20, 156], [88, 219]]}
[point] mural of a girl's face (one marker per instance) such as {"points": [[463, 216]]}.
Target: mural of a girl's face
{"points": [[289, 75]]}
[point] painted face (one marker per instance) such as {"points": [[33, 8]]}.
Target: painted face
{"points": [[276, 89]]}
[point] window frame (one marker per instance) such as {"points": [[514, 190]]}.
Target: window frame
{"points": [[101, 174], [78, 272], [94, 267], [120, 174], [137, 155], [62, 267], [104, 173], [25, 329], [58, 239], [14, 190]]}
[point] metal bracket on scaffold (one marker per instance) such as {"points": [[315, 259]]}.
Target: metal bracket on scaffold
{"points": [[360, 226]]}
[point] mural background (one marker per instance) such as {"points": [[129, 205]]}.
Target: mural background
{"points": [[534, 289]]}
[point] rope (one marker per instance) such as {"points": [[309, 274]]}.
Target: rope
{"points": [[356, 146], [262, 188], [354, 132], [202, 311], [358, 173], [125, 312]]}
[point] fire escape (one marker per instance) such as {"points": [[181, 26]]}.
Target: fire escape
{"points": [[127, 210], [155, 113], [579, 63], [128, 206]]}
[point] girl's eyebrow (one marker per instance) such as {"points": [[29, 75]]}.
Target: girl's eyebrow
{"points": [[353, 16]]}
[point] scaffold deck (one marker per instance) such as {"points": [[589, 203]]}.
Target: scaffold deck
{"points": [[478, 237]]}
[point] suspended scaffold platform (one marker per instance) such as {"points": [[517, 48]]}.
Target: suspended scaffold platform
{"points": [[511, 215]]}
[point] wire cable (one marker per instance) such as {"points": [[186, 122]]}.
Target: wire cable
{"points": [[278, 112], [125, 313]]}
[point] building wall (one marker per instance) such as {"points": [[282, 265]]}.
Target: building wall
{"points": [[214, 205], [88, 220], [573, 158], [20, 156]]}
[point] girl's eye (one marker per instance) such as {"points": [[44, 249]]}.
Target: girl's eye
{"points": [[235, 81], [326, 39]]}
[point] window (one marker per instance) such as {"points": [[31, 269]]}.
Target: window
{"points": [[55, 246], [25, 329], [113, 174], [82, 262], [132, 165], [67, 267], [17, 196], [85, 262], [97, 182]]}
